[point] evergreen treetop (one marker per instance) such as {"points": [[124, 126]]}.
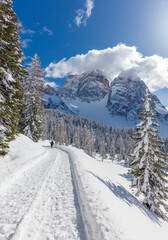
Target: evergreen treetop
{"points": [[34, 111], [11, 75], [149, 162]]}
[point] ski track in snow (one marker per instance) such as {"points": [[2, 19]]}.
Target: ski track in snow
{"points": [[39, 201]]}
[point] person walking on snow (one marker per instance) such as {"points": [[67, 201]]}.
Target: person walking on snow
{"points": [[52, 143]]}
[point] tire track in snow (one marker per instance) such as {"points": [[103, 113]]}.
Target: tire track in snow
{"points": [[93, 225], [55, 212], [80, 220], [17, 198], [7, 178]]}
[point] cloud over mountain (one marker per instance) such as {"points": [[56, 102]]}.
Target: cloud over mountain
{"points": [[120, 59]]}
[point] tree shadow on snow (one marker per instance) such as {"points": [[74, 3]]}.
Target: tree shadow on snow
{"points": [[127, 176], [120, 192]]}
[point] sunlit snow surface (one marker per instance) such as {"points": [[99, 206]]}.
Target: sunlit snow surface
{"points": [[37, 199], [97, 111], [114, 212], [64, 194]]}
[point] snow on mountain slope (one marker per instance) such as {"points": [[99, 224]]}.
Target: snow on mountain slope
{"points": [[53, 101], [125, 99], [109, 208], [119, 104], [97, 111], [162, 95]]}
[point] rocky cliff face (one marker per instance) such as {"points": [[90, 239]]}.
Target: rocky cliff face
{"points": [[87, 87], [92, 90], [125, 99], [53, 101]]}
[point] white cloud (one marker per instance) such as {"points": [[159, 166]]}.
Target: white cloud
{"points": [[25, 31], [47, 30], [89, 7], [79, 17], [114, 61], [25, 43], [84, 15], [52, 84]]}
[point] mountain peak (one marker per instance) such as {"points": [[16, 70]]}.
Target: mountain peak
{"points": [[89, 86], [90, 95], [125, 98]]}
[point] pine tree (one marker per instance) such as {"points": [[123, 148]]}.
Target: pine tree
{"points": [[11, 75], [76, 139], [129, 150], [112, 150], [122, 149], [56, 132], [62, 133], [84, 137], [89, 148], [103, 148], [34, 114], [148, 162]]}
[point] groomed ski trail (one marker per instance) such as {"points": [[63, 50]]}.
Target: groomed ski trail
{"points": [[40, 203]]}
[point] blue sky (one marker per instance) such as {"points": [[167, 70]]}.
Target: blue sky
{"points": [[52, 32]]}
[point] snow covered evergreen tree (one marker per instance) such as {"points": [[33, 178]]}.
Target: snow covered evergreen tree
{"points": [[89, 148], [33, 113], [103, 148], [90, 133], [62, 133], [129, 151], [122, 149], [148, 162], [84, 137], [112, 150], [76, 139], [37, 74], [11, 75]]}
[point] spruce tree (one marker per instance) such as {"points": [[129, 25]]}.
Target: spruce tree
{"points": [[121, 148], [11, 75], [148, 163], [34, 112], [62, 133], [84, 137], [129, 150], [112, 150], [103, 148], [89, 148], [76, 139]]}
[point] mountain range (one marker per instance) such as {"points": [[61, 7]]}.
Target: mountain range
{"points": [[93, 96]]}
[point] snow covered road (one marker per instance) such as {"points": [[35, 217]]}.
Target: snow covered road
{"points": [[38, 201], [64, 194]]}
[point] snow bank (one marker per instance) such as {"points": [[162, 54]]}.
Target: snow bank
{"points": [[22, 146], [17, 161], [109, 209]]}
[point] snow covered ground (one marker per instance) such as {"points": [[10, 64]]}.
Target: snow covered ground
{"points": [[111, 210], [92, 111], [37, 198], [63, 194]]}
